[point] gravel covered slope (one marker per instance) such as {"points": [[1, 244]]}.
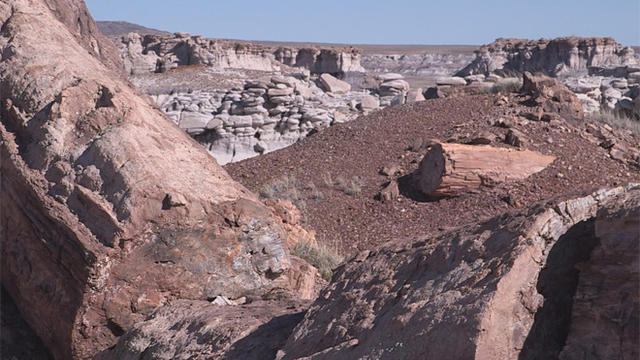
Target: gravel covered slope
{"points": [[362, 147]]}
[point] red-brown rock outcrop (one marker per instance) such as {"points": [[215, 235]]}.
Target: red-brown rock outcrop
{"points": [[552, 96], [502, 289], [108, 209]]}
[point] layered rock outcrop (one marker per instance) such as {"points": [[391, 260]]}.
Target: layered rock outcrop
{"points": [[560, 56], [518, 286], [261, 116], [108, 209], [318, 60], [160, 53]]}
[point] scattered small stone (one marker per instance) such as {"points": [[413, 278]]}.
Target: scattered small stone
{"points": [[389, 192], [390, 170], [514, 138]]}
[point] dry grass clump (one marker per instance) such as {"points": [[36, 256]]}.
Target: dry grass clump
{"points": [[284, 188], [350, 187], [322, 257], [288, 188], [619, 120]]}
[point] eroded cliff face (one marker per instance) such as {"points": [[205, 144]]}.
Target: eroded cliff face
{"points": [[560, 56], [109, 210], [160, 53], [535, 284]]}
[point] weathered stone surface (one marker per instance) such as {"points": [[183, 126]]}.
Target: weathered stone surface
{"points": [[369, 103], [389, 76], [109, 209], [135, 59], [17, 340], [605, 315], [451, 80], [180, 49], [501, 289], [552, 95], [414, 95], [200, 330], [559, 56], [331, 84]]}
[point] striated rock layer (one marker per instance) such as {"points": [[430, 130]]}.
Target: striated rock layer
{"points": [[109, 210], [560, 56], [160, 53], [535, 284]]}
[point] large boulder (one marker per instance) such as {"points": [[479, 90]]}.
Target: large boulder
{"points": [[558, 278], [109, 210], [333, 85]]}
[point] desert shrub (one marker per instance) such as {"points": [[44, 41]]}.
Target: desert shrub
{"points": [[507, 85], [354, 187], [322, 257], [340, 183], [351, 186], [618, 119], [284, 188], [317, 195], [327, 179]]}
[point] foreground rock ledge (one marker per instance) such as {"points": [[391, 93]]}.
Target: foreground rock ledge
{"points": [[108, 209], [556, 280]]}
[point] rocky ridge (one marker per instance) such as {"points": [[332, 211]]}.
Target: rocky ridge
{"points": [[261, 115], [556, 57], [603, 73], [160, 53]]}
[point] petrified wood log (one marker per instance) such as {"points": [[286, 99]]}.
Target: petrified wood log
{"points": [[447, 169]]}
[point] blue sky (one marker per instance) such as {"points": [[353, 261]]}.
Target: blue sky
{"points": [[381, 22]]}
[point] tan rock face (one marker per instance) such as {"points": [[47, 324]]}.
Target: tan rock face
{"points": [[501, 289], [109, 209], [605, 316], [142, 54], [564, 55], [75, 16]]}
